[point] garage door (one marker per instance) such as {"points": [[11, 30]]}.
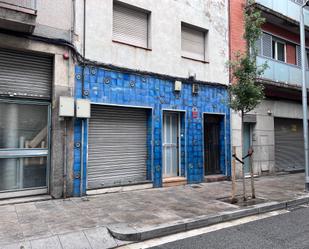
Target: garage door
{"points": [[289, 144], [117, 150]]}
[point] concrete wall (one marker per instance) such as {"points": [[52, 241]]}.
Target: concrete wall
{"points": [[263, 137], [165, 55], [54, 18], [63, 84]]}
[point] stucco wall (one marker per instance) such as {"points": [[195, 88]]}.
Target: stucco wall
{"points": [[263, 137], [62, 85], [165, 54], [54, 18]]}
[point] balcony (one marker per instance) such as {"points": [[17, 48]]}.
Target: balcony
{"points": [[287, 8], [18, 15], [281, 73]]}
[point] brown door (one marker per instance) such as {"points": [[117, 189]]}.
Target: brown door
{"points": [[211, 144]]}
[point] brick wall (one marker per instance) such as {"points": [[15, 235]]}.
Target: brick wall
{"points": [[237, 43]]}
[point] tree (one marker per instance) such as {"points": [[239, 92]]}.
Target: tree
{"points": [[245, 94]]}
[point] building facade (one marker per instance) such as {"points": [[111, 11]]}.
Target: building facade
{"points": [[35, 69], [157, 84], [274, 128]]}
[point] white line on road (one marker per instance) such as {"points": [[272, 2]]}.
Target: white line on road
{"points": [[196, 232]]}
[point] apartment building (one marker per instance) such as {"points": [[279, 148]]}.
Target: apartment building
{"points": [[274, 128], [35, 69], [155, 75]]}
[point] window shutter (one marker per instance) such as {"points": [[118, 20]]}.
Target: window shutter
{"points": [[192, 43], [130, 26], [258, 45], [266, 45], [298, 55]]}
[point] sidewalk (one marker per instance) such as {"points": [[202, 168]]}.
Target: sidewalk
{"points": [[84, 223]]}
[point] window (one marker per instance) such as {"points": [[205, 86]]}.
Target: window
{"points": [[193, 42], [278, 50], [130, 25]]}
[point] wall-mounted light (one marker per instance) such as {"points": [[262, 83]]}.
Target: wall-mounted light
{"points": [[269, 112]]}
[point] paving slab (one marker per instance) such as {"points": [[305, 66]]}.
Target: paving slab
{"points": [[141, 213]]}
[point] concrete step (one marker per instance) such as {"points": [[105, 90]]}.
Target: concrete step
{"points": [[215, 178], [174, 181]]}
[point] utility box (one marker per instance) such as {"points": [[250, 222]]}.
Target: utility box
{"points": [[82, 108], [178, 85], [66, 106]]}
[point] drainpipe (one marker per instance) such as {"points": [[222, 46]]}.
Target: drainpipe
{"points": [[65, 159], [83, 83], [82, 160]]}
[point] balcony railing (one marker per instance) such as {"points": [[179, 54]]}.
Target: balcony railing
{"points": [[287, 8], [281, 72], [27, 4]]}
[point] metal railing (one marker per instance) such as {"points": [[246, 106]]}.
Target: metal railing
{"points": [[281, 72], [28, 4], [288, 8]]}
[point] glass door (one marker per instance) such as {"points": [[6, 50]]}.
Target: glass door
{"points": [[170, 145], [24, 146]]}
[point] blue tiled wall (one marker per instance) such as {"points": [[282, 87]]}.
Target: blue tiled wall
{"points": [[112, 87]]}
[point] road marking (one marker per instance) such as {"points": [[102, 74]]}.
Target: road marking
{"points": [[196, 232]]}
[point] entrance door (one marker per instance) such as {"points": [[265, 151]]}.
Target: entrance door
{"points": [[170, 144], [211, 141], [246, 147], [24, 147]]}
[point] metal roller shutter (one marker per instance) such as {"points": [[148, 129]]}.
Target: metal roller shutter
{"points": [[192, 43], [26, 75], [289, 144], [130, 25], [117, 151]]}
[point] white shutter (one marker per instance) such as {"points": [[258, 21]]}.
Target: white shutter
{"points": [[130, 26], [192, 43], [267, 45]]}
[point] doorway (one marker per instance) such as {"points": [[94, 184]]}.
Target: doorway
{"points": [[171, 160], [212, 143], [246, 147]]}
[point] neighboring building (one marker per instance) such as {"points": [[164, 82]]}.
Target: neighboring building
{"points": [[157, 80], [34, 72], [274, 128]]}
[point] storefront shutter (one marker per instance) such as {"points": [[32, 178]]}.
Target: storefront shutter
{"points": [[130, 25], [25, 75], [117, 146], [289, 144]]}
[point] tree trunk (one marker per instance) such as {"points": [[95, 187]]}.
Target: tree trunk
{"points": [[243, 169], [234, 199], [252, 175]]}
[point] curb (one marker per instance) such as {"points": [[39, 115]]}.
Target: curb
{"points": [[128, 233]]}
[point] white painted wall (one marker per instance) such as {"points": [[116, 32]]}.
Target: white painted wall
{"points": [[166, 18], [54, 18]]}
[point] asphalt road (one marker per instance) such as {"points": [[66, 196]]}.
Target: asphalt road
{"points": [[290, 231]]}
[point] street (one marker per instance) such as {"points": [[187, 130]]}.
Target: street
{"points": [[290, 230]]}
